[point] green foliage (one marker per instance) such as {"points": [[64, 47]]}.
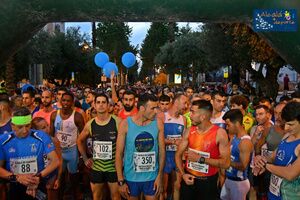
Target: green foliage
{"points": [[113, 38], [157, 36], [60, 54]]}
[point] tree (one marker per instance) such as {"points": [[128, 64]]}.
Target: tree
{"points": [[157, 36], [60, 54], [113, 38]]}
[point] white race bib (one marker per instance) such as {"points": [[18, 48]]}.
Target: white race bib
{"points": [[203, 168], [172, 147], [144, 161], [25, 165], [102, 150], [275, 183], [66, 139]]}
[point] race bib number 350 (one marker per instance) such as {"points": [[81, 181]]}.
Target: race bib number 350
{"points": [[102, 150], [144, 161], [203, 168], [27, 165]]}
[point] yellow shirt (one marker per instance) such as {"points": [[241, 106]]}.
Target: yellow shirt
{"points": [[248, 122]]}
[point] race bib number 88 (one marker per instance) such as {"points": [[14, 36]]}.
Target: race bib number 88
{"points": [[24, 165]]}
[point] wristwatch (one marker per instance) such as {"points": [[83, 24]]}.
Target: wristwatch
{"points": [[201, 160], [121, 182], [12, 178]]}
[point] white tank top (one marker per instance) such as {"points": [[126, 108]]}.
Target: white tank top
{"points": [[66, 131]]}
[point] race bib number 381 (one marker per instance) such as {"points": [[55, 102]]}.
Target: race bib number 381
{"points": [[144, 161], [275, 183], [24, 165], [203, 168]]}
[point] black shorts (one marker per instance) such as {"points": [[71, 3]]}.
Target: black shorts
{"points": [[3, 181], [204, 188], [103, 177]]}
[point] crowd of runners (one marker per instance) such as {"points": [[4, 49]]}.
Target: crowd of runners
{"points": [[147, 142]]}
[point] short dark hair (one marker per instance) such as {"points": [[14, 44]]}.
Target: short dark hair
{"points": [[164, 98], [30, 92], [21, 111], [218, 92], [101, 95], [144, 98], [35, 121], [62, 89], [296, 94], [263, 107], [129, 92], [239, 100], [203, 104], [68, 94], [234, 115], [291, 112]]}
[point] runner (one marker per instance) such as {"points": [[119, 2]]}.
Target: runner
{"points": [[47, 108], [208, 150], [65, 125], [174, 126], [103, 130], [22, 157], [141, 151], [128, 104], [284, 164], [236, 184]]}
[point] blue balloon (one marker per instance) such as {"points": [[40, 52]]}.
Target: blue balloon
{"points": [[27, 87], [109, 67], [101, 59], [128, 59]]}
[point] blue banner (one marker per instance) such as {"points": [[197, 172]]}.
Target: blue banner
{"points": [[281, 20]]}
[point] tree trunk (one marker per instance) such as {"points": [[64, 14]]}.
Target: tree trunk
{"points": [[269, 85], [10, 75]]}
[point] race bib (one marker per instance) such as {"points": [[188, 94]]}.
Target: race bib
{"points": [[102, 150], [66, 139], [203, 168], [275, 183], [172, 147], [26, 165], [144, 161]]}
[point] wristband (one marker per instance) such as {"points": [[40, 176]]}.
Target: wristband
{"points": [[12, 178], [121, 182], [201, 160]]}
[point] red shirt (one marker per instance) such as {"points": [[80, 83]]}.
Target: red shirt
{"points": [[122, 114]]}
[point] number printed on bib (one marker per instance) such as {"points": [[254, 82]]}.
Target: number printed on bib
{"points": [[24, 165], [102, 150], [64, 139], [203, 168], [275, 182], [144, 161], [172, 147]]}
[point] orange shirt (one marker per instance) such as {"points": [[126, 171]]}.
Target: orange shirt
{"points": [[122, 114], [43, 114], [205, 145]]}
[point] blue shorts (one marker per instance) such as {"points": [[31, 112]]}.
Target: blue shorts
{"points": [[70, 159], [169, 164], [136, 188]]}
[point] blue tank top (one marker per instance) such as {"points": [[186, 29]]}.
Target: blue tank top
{"points": [[173, 128], [25, 155], [285, 155], [235, 157], [141, 152], [6, 128]]}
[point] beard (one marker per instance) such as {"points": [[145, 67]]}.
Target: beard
{"points": [[128, 108]]}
